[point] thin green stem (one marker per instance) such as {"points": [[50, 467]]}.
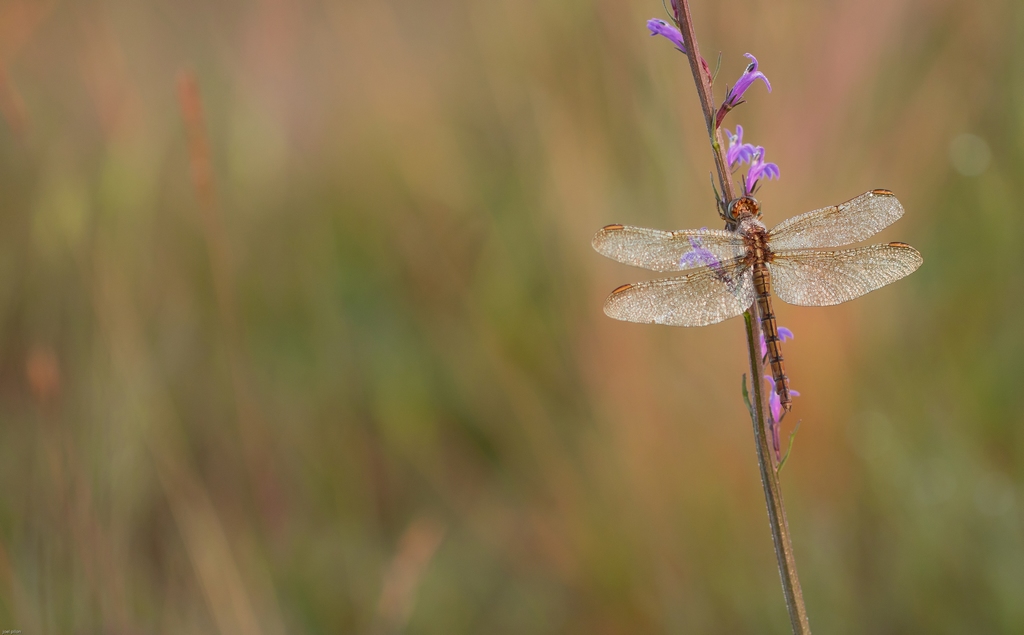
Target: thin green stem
{"points": [[772, 489], [765, 457]]}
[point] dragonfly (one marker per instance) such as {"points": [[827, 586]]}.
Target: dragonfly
{"points": [[727, 271]]}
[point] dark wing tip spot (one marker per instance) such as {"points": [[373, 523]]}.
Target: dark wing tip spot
{"points": [[618, 290], [897, 244], [613, 228], [882, 193]]}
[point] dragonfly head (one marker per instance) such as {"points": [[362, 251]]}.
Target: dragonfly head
{"points": [[744, 206]]}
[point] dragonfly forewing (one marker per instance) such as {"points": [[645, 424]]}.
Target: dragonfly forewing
{"points": [[667, 251], [844, 224], [706, 296], [808, 277]]}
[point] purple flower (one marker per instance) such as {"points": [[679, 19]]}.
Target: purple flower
{"points": [[749, 76], [738, 151], [775, 405], [699, 257], [666, 30], [784, 334], [734, 97], [759, 169], [774, 401]]}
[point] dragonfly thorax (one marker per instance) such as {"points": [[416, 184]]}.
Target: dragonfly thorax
{"points": [[750, 227]]}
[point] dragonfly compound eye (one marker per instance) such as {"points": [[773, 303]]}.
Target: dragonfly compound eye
{"points": [[744, 206]]}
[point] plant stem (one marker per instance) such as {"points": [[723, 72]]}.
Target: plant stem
{"points": [[773, 491], [766, 462], [702, 77]]}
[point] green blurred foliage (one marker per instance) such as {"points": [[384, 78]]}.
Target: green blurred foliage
{"points": [[364, 384]]}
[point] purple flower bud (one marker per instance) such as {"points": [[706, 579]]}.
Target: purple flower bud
{"points": [[759, 169], [775, 406], [699, 257], [734, 97], [784, 334], [666, 30], [775, 403], [738, 151]]}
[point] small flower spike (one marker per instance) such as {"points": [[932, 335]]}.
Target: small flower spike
{"points": [[734, 97], [668, 31], [759, 169], [738, 151]]}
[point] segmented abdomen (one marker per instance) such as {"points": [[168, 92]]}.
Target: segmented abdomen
{"points": [[763, 289]]}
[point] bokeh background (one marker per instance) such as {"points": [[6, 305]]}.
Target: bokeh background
{"points": [[301, 329]]}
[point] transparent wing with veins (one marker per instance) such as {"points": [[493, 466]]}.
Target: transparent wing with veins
{"points": [[708, 295], [721, 283], [844, 224], [807, 277], [668, 250]]}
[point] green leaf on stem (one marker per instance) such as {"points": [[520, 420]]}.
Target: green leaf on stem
{"points": [[746, 399], [792, 436]]}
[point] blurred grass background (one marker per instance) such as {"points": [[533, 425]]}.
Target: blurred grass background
{"points": [[364, 383]]}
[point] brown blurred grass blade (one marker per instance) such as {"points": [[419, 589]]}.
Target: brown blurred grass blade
{"points": [[201, 164], [416, 548], [18, 23], [257, 446], [207, 545]]}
